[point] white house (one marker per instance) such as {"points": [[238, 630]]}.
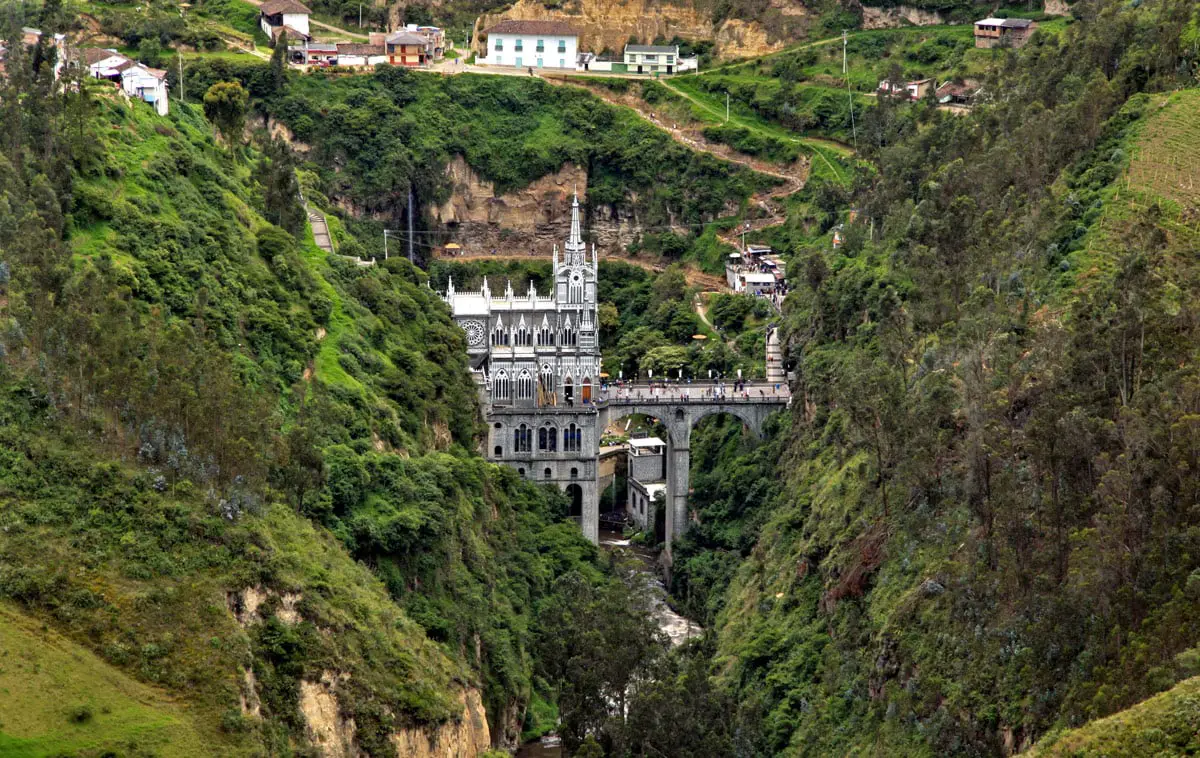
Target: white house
{"points": [[284, 17], [104, 64], [148, 84], [530, 44], [657, 59]]}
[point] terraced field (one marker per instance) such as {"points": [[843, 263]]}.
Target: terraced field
{"points": [[1166, 161]]}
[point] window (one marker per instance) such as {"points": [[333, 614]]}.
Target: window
{"points": [[562, 46], [521, 473], [523, 337], [546, 474], [562, 62], [572, 439], [574, 473], [519, 45], [498, 451], [541, 46], [500, 45], [651, 58], [522, 439], [500, 334], [670, 59], [525, 385], [500, 385]]}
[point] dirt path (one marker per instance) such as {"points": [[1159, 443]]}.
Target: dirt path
{"points": [[792, 177]]}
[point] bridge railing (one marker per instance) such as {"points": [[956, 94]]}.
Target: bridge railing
{"points": [[705, 394]]}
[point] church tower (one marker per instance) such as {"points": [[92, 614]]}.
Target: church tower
{"points": [[575, 279]]}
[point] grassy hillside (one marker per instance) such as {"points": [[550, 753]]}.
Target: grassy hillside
{"points": [[376, 135], [1163, 725], [985, 526], [206, 420], [60, 698]]}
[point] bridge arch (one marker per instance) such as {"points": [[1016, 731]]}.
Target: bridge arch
{"points": [[680, 415]]}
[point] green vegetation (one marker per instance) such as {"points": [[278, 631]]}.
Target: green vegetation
{"points": [[61, 698], [982, 530], [1163, 725], [204, 420], [376, 136]]}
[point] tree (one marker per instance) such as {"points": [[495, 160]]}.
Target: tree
{"points": [[276, 80], [225, 106], [281, 191], [665, 360]]}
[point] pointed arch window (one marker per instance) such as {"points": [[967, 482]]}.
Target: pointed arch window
{"points": [[525, 385], [545, 336], [523, 337], [568, 338], [522, 439], [572, 439], [500, 334], [500, 388]]}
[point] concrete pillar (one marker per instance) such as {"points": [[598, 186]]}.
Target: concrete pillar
{"points": [[590, 522], [678, 462]]}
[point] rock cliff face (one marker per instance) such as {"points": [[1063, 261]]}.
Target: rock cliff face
{"points": [[334, 736], [465, 738], [898, 15], [532, 219], [609, 24]]}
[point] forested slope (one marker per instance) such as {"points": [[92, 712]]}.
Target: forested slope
{"points": [[204, 423], [987, 523]]}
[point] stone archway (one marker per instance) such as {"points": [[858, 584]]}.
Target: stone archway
{"points": [[575, 496]]}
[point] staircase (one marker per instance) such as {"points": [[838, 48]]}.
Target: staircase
{"points": [[321, 236]]}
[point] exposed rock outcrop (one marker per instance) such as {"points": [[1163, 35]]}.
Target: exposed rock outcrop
{"points": [[609, 24], [898, 15], [531, 219], [465, 738]]}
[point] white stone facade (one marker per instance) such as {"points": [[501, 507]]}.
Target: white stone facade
{"points": [[553, 51], [537, 361]]}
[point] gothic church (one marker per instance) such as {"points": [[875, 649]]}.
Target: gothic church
{"points": [[537, 361]]}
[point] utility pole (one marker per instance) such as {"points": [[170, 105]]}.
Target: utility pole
{"points": [[182, 89], [360, 15], [849, 93], [385, 250]]}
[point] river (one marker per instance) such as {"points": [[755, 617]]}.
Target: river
{"points": [[677, 628]]}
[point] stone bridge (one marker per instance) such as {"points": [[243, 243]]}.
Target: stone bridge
{"points": [[680, 408]]}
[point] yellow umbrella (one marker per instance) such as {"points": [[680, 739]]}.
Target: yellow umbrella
{"points": [[699, 336]]}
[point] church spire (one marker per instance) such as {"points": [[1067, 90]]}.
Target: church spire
{"points": [[575, 248]]}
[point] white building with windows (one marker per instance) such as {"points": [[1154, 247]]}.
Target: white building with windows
{"points": [[530, 44], [536, 358], [657, 59], [148, 84]]}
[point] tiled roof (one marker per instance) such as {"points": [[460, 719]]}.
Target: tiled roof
{"points": [[549, 28], [651, 49], [93, 55], [357, 48], [405, 38], [272, 7]]}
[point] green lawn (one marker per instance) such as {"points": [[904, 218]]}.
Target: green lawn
{"points": [[58, 698]]}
